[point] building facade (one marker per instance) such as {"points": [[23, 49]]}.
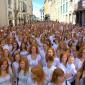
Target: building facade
{"points": [[53, 10], [66, 13], [79, 10], [60, 10], [15, 11], [25, 10], [47, 8], [6, 12]]}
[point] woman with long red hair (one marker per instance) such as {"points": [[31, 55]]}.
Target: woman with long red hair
{"points": [[5, 76], [34, 58], [37, 76]]}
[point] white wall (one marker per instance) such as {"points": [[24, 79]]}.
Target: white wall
{"points": [[3, 12]]}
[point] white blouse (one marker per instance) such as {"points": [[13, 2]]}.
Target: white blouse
{"points": [[32, 62], [23, 78], [6, 80], [42, 54], [31, 82], [81, 82], [63, 67], [72, 70], [64, 83], [55, 46], [48, 73], [78, 63], [56, 61], [24, 53], [15, 67]]}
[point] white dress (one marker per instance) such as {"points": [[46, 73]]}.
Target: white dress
{"points": [[18, 41], [24, 53], [42, 54], [63, 67], [56, 61], [23, 79], [64, 83], [72, 70], [39, 42], [15, 67], [31, 82], [8, 47], [32, 62], [78, 63], [6, 80], [48, 72], [69, 69], [51, 38], [55, 46], [81, 82]]}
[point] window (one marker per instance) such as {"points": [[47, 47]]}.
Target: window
{"points": [[63, 8], [9, 3], [66, 6], [9, 14], [24, 7]]}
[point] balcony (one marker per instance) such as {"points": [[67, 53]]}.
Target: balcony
{"points": [[79, 6]]}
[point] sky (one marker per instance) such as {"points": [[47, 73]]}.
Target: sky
{"points": [[37, 5]]}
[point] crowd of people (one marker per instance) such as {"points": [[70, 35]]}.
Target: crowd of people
{"points": [[42, 53]]}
